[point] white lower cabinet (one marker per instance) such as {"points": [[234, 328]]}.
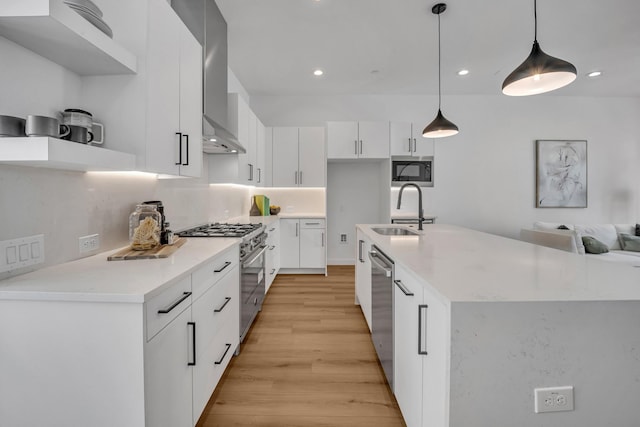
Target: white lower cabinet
{"points": [[420, 352], [303, 244], [272, 259], [363, 275], [168, 375]]}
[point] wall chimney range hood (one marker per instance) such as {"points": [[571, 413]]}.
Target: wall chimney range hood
{"points": [[206, 23]]}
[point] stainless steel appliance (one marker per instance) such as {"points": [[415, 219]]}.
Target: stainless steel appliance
{"points": [[252, 268], [418, 170], [382, 271]]}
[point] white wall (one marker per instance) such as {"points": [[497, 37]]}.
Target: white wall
{"points": [[484, 176]]}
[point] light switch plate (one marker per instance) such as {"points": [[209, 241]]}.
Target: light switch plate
{"points": [[21, 252]]}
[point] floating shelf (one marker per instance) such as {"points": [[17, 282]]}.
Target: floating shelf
{"points": [[53, 30], [59, 154]]}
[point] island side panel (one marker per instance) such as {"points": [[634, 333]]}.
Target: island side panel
{"points": [[71, 364], [500, 352]]}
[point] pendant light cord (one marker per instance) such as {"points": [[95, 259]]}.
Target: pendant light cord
{"points": [[535, 20], [439, 67]]}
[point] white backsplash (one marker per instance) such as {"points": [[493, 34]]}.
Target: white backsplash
{"points": [[296, 200]]}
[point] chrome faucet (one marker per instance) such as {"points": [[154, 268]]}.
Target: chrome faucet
{"points": [[420, 212]]}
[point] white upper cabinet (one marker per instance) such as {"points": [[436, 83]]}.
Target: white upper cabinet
{"points": [[298, 157], [358, 140], [174, 111], [262, 169], [407, 140], [251, 134]]}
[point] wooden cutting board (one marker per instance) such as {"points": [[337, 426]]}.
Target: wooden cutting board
{"points": [[162, 251]]}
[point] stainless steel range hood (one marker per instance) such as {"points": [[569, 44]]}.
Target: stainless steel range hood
{"points": [[206, 23]]}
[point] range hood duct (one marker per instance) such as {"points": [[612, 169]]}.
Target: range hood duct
{"points": [[206, 23]]}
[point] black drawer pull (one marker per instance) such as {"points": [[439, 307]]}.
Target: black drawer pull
{"points": [[193, 336], [226, 264], [403, 288], [226, 301], [219, 362], [184, 296]]}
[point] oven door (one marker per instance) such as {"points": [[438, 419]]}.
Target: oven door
{"points": [[252, 287]]}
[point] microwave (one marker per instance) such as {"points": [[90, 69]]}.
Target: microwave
{"points": [[418, 170]]}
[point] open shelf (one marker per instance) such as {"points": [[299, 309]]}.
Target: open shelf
{"points": [[59, 154], [53, 30]]}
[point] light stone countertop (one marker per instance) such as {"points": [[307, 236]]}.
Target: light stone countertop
{"points": [[463, 265], [96, 279]]}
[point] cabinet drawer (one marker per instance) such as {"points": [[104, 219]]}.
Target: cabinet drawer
{"points": [[213, 271], [312, 223], [165, 307]]}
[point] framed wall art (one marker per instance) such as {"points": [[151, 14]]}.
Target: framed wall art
{"points": [[561, 173]]}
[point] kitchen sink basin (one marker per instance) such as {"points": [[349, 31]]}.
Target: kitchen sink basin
{"points": [[394, 231]]}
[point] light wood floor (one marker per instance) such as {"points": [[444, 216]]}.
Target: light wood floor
{"points": [[308, 361]]}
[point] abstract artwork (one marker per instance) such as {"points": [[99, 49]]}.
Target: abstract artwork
{"points": [[561, 174]]}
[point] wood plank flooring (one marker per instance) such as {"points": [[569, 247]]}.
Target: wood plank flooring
{"points": [[308, 361]]}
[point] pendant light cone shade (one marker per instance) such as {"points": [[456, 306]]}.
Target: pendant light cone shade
{"points": [[539, 73], [440, 126]]}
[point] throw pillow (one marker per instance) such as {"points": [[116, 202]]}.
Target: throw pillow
{"points": [[637, 229], [563, 227], [594, 246], [629, 242]]}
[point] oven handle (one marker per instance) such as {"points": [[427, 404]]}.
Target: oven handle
{"points": [[247, 263]]}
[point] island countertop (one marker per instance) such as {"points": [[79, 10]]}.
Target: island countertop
{"points": [[463, 265]]}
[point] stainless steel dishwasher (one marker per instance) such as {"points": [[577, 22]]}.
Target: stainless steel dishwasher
{"points": [[382, 309]]}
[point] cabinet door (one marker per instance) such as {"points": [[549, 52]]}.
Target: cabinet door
{"points": [[168, 384], [363, 276], [285, 157], [342, 140], [312, 248], [163, 89], [289, 243], [373, 140], [421, 146], [408, 364], [311, 157], [272, 259], [190, 104], [268, 156], [401, 140]]}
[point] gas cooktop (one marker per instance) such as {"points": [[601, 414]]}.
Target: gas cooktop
{"points": [[218, 229]]}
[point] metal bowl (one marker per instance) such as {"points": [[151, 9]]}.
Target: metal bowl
{"points": [[11, 126]]}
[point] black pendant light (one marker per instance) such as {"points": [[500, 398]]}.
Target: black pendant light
{"points": [[440, 126], [539, 73]]}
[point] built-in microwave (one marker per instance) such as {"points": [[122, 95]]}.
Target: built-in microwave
{"points": [[412, 169]]}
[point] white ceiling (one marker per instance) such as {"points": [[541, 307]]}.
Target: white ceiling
{"points": [[274, 45]]}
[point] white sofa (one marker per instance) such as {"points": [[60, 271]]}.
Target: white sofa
{"points": [[548, 234]]}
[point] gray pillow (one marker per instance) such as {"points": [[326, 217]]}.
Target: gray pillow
{"points": [[594, 246], [629, 242]]}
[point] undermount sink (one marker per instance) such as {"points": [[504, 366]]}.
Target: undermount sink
{"points": [[394, 231]]}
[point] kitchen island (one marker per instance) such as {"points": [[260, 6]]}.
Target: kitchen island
{"points": [[480, 321]]}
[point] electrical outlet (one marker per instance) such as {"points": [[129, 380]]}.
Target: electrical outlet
{"points": [[89, 243], [343, 239], [553, 399]]}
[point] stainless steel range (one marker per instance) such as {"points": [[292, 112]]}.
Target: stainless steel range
{"points": [[252, 268]]}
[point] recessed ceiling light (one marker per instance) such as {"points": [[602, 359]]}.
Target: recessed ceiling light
{"points": [[594, 74], [318, 72], [463, 72]]}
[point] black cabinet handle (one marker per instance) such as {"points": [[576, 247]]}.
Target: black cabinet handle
{"points": [[186, 137], [226, 264], [218, 362], [226, 301], [184, 296], [193, 336], [403, 288], [179, 148], [422, 346]]}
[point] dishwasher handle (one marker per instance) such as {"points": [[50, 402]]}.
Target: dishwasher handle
{"points": [[374, 256]]}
